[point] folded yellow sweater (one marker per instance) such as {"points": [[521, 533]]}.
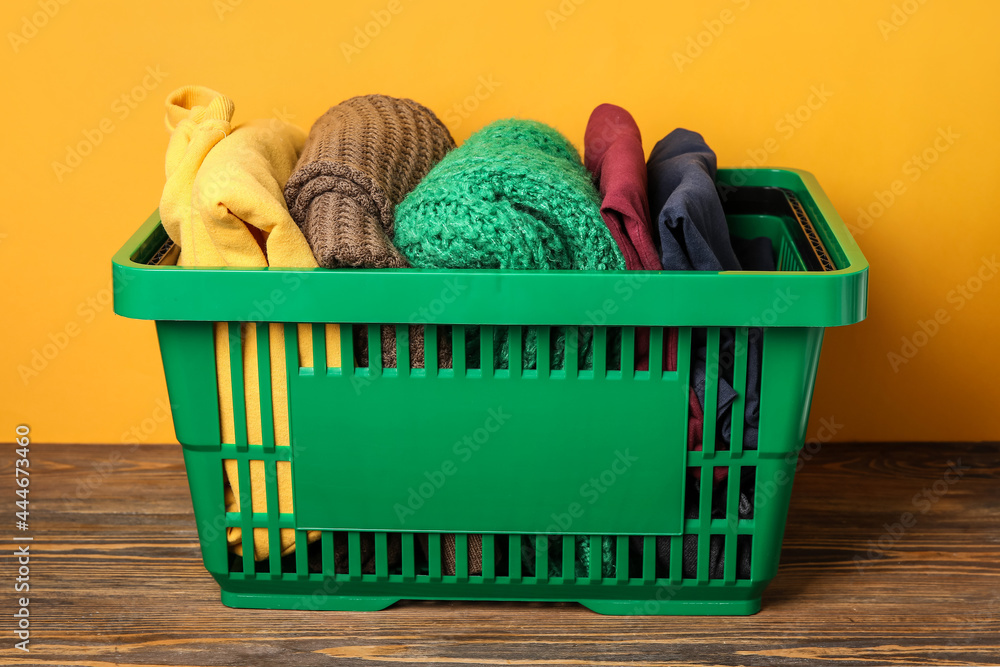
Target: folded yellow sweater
{"points": [[223, 205]]}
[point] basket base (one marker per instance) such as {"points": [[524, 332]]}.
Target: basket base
{"points": [[606, 607], [674, 608], [309, 603]]}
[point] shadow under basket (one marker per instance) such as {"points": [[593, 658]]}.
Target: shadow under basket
{"points": [[357, 437]]}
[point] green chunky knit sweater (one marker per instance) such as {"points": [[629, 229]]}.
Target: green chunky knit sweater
{"points": [[514, 196]]}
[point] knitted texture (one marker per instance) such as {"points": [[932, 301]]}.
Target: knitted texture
{"points": [[514, 196], [388, 346], [360, 159], [584, 555], [448, 558]]}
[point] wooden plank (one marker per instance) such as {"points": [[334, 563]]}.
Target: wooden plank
{"points": [[117, 579]]}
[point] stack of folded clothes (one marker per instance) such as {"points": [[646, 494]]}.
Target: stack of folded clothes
{"points": [[379, 183]]}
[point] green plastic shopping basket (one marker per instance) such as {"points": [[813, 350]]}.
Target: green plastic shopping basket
{"points": [[532, 463]]}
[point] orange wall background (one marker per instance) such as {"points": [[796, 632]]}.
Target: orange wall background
{"points": [[891, 103]]}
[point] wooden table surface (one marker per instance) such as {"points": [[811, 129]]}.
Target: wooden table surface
{"points": [[117, 579]]}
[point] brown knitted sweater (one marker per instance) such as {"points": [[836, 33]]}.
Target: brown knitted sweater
{"points": [[361, 159], [388, 336]]}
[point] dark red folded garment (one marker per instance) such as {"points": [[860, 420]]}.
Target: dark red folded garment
{"points": [[613, 154]]}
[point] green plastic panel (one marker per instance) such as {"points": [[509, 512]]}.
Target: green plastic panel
{"points": [[453, 450], [191, 384]]}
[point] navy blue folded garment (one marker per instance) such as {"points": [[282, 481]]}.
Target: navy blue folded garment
{"points": [[716, 545], [694, 235], [682, 196], [751, 406]]}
